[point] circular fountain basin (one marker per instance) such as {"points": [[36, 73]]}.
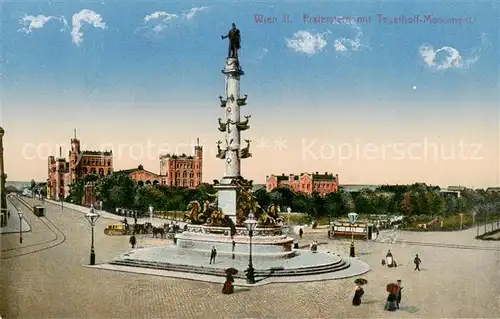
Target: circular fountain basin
{"points": [[267, 243]]}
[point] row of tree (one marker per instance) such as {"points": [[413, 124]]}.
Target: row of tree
{"points": [[119, 190]]}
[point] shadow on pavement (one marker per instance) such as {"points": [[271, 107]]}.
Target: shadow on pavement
{"points": [[409, 309]]}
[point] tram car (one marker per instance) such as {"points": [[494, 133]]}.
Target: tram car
{"points": [[39, 210], [358, 230]]}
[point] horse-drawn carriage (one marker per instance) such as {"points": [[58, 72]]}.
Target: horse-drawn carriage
{"points": [[118, 229], [145, 228], [168, 230]]}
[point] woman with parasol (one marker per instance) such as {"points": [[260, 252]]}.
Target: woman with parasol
{"points": [[228, 284], [391, 304], [359, 292]]}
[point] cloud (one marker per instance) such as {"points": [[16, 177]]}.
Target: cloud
{"points": [[85, 16], [347, 44], [448, 57], [160, 14], [160, 20], [35, 22], [312, 43], [65, 23], [189, 15], [262, 53], [306, 42]]}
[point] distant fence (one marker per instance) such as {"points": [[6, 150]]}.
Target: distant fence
{"points": [[487, 228], [170, 215]]}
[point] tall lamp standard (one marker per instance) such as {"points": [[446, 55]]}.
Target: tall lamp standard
{"points": [[151, 214], [352, 219], [92, 218], [20, 214], [250, 224]]}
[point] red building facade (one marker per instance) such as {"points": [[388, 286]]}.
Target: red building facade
{"points": [[62, 173], [305, 182], [142, 176], [182, 170]]}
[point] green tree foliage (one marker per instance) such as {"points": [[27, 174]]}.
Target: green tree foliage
{"points": [[118, 190], [77, 190], [365, 202]]}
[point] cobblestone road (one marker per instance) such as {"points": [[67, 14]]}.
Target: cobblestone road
{"points": [[453, 283]]}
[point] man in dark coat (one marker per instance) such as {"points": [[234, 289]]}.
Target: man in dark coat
{"points": [[133, 241], [417, 262], [301, 232], [213, 254]]}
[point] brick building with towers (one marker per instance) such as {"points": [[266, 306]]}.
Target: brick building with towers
{"points": [[182, 170], [62, 173], [305, 182]]}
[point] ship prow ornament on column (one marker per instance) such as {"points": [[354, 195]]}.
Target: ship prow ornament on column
{"points": [[232, 151]]}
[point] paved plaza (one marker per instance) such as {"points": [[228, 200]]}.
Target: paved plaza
{"points": [[454, 282]]}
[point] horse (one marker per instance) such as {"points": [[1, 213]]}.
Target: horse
{"points": [[148, 227], [157, 230]]}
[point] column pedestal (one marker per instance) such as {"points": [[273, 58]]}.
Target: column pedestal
{"points": [[228, 200]]}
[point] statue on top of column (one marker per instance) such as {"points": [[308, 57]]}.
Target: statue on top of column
{"points": [[234, 36]]}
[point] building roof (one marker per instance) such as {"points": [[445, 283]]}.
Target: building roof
{"points": [[101, 153], [315, 176], [133, 170], [456, 188], [493, 189], [323, 177], [176, 156], [282, 178], [358, 187]]}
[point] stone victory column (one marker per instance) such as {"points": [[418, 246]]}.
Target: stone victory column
{"points": [[231, 150]]}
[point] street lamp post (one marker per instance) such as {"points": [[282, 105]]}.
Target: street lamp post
{"points": [[250, 224], [352, 219], [151, 214], [92, 218], [20, 214]]}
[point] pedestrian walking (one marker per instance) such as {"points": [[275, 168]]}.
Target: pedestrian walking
{"points": [[301, 232], [213, 254], [133, 241], [391, 304], [398, 295], [417, 262], [228, 287], [358, 293]]}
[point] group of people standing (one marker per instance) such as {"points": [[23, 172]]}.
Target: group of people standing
{"points": [[393, 299], [394, 289]]}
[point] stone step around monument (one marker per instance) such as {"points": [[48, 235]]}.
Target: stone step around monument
{"points": [[244, 255], [259, 273]]}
